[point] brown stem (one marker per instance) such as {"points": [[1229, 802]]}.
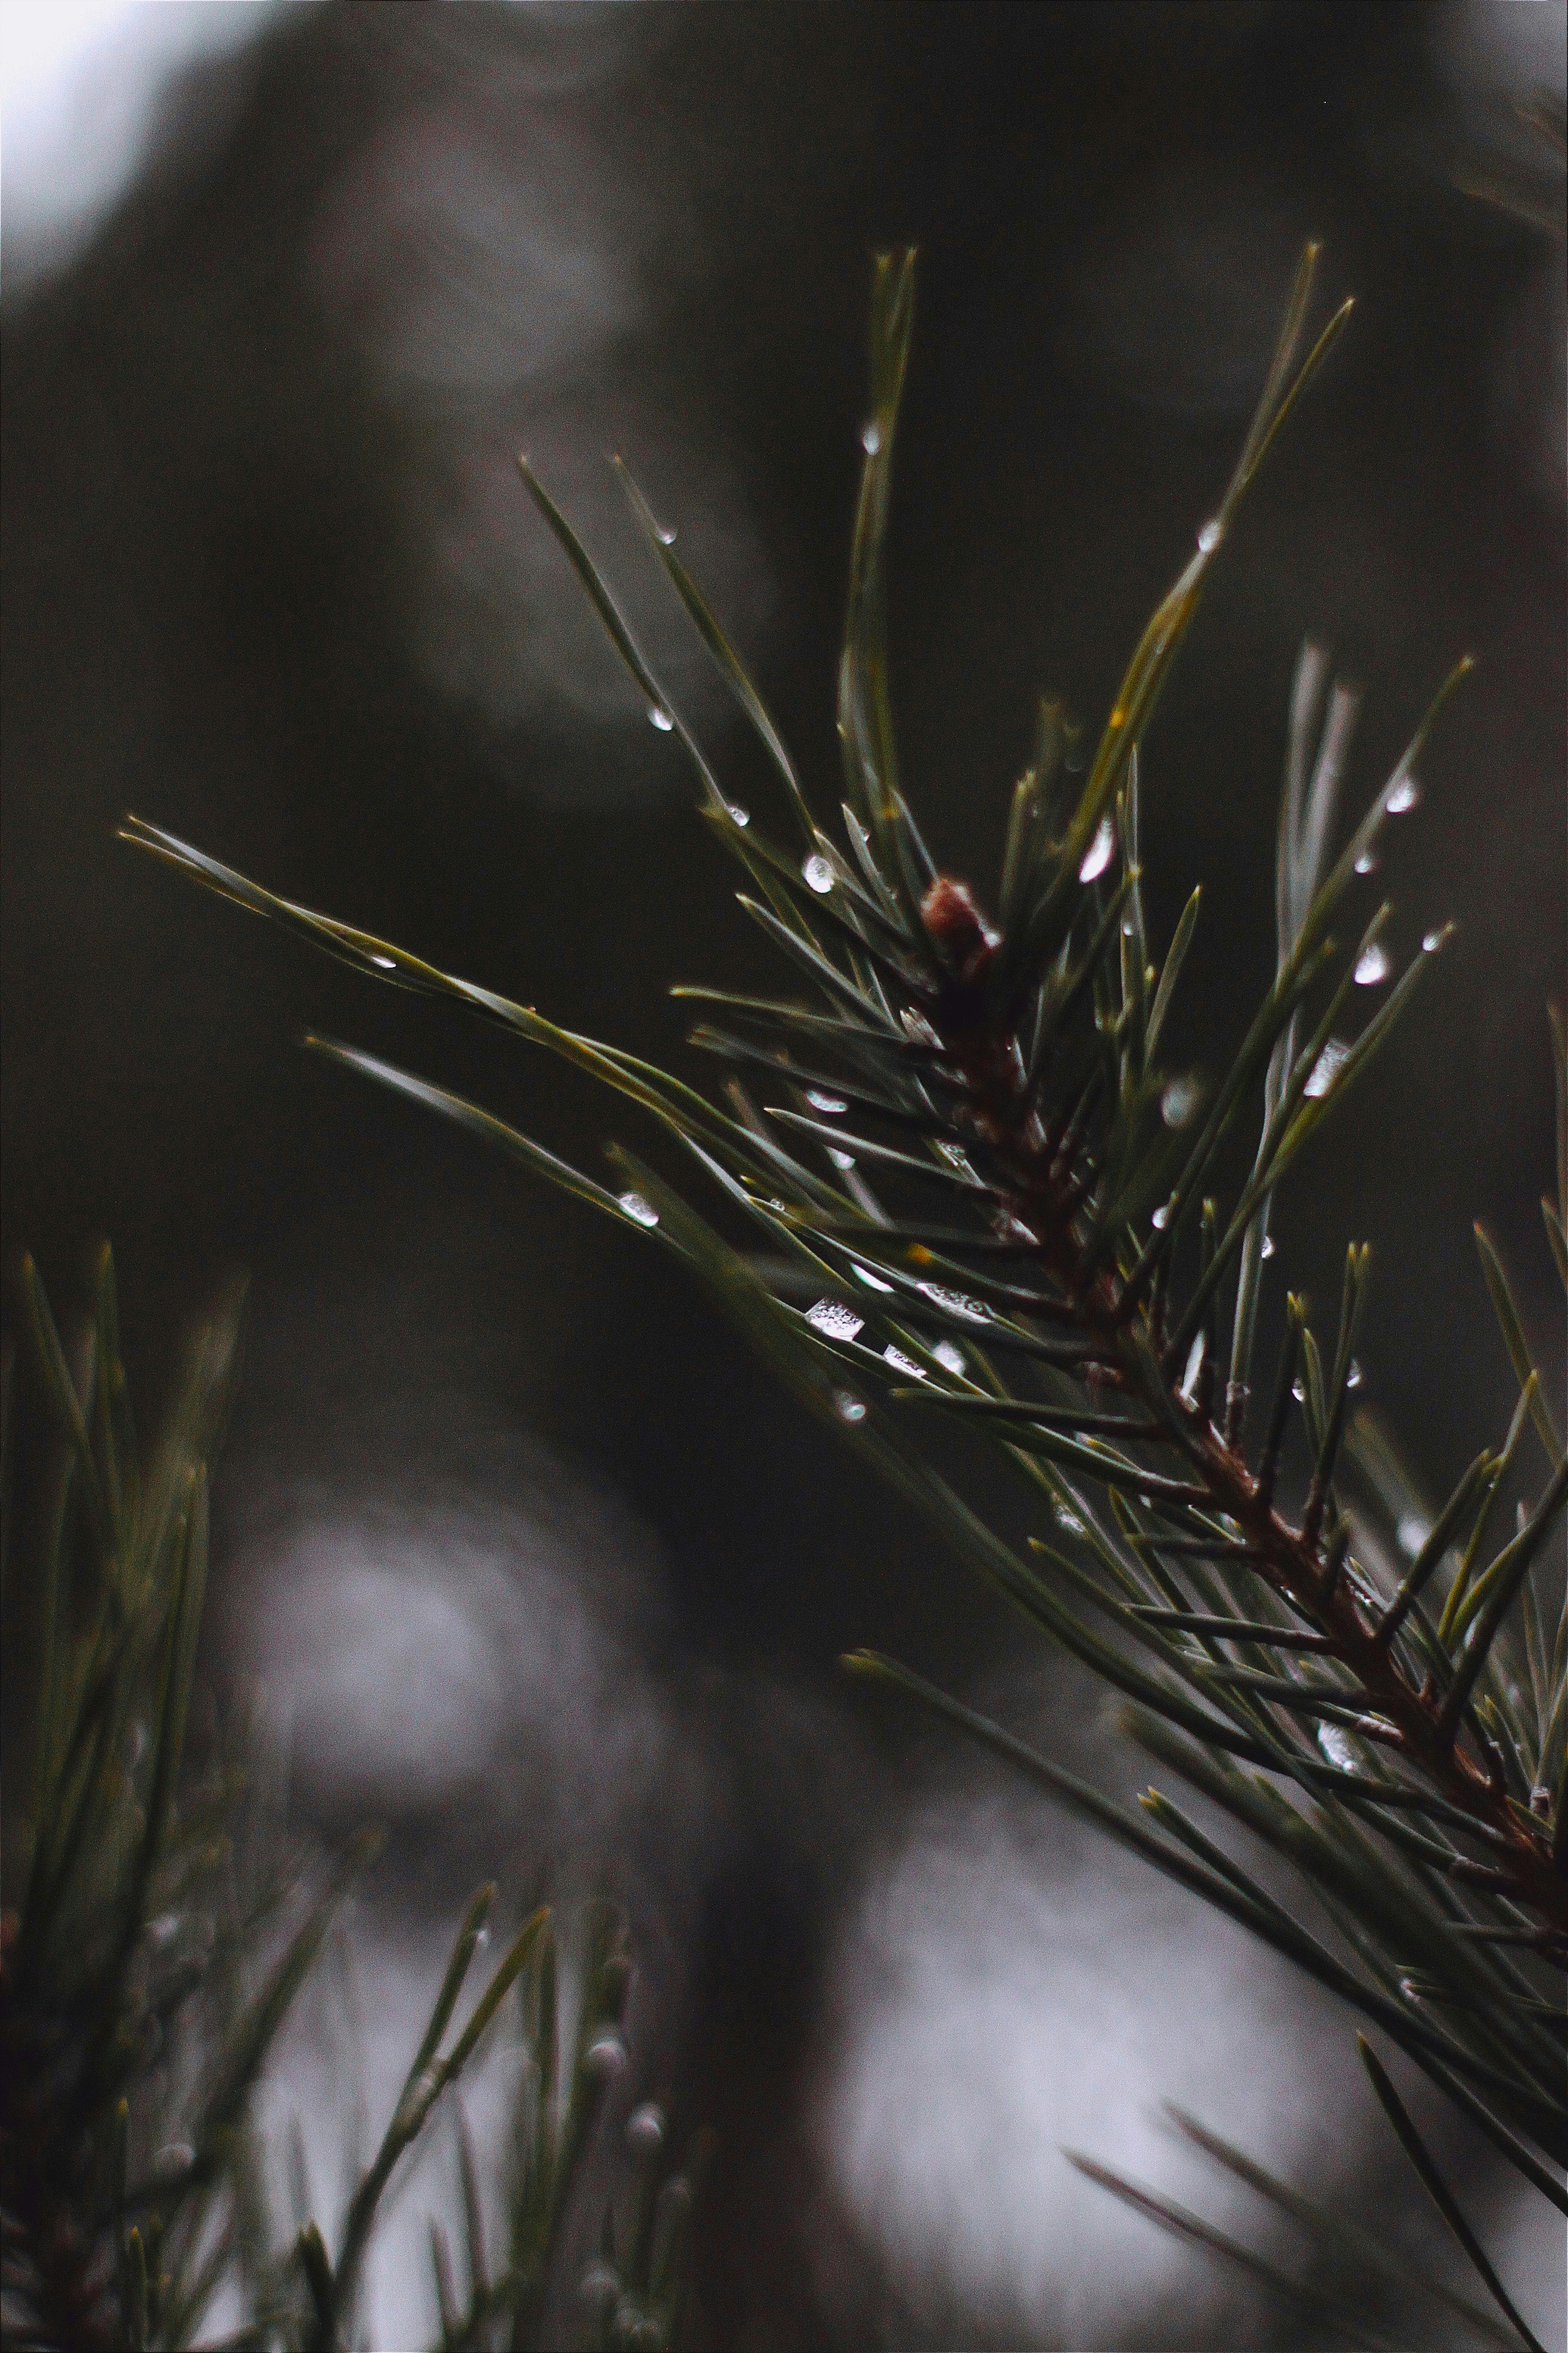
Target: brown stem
{"points": [[1287, 1558]]}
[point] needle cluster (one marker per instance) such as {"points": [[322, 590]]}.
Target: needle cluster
{"points": [[967, 1184]]}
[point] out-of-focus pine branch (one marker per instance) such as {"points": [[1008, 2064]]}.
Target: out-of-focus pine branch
{"points": [[157, 1926]]}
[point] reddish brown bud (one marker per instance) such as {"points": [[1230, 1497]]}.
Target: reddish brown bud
{"points": [[957, 929]]}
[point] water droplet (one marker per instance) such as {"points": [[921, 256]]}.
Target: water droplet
{"points": [[1211, 534], [1355, 1377], [1127, 929], [1431, 942], [819, 1102], [1161, 1216], [1403, 797], [481, 1938], [954, 1301], [605, 2057], [423, 2088], [1298, 1390], [645, 2128], [902, 1364], [1178, 1103], [870, 438], [1101, 852], [175, 2158], [163, 1929], [658, 717], [665, 534], [847, 1408], [840, 1160], [598, 2285], [1327, 1067], [385, 964], [738, 816], [872, 1281], [1411, 1533], [641, 1212], [818, 873], [1067, 1521], [834, 1320], [1268, 1250], [1337, 1748], [1367, 863], [1373, 966], [1194, 1366], [949, 1356]]}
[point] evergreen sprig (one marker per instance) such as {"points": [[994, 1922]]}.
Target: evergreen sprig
{"points": [[157, 1926], [975, 1189]]}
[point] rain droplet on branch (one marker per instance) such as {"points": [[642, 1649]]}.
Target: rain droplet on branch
{"points": [[1101, 852]]}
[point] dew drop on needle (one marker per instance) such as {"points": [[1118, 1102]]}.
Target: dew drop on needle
{"points": [[834, 1320], [1178, 1103], [1099, 854], [1327, 1067]]}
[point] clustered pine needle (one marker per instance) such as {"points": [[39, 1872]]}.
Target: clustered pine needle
{"points": [[976, 1191], [158, 1924]]}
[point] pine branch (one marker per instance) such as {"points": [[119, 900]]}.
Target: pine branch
{"points": [[1044, 1186]]}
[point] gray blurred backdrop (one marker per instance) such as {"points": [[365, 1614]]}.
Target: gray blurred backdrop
{"points": [[526, 1555]]}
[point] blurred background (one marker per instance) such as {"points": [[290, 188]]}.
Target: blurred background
{"points": [[526, 1556]]}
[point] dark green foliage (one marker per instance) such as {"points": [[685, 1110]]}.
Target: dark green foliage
{"points": [[123, 1906], [975, 1189], [527, 2302], [158, 1926]]}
